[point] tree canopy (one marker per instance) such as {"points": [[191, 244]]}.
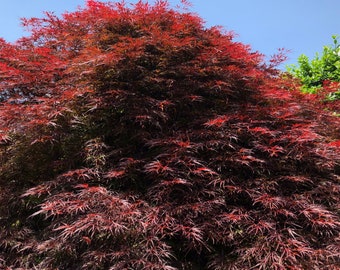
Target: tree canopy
{"points": [[137, 138], [313, 73], [321, 75]]}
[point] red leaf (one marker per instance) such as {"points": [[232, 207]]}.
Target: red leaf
{"points": [[335, 143], [217, 122], [115, 173], [85, 186], [87, 240]]}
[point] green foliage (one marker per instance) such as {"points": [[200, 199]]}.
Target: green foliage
{"points": [[313, 73]]}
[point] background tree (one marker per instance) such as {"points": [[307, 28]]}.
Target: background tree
{"points": [[325, 67], [321, 75], [136, 138]]}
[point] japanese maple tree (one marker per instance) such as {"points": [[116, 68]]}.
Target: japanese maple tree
{"points": [[133, 137]]}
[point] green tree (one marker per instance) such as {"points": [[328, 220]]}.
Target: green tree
{"points": [[313, 73]]}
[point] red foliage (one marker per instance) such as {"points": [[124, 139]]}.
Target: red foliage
{"points": [[135, 138]]}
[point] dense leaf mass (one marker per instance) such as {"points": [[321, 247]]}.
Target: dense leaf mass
{"points": [[136, 138], [321, 76]]}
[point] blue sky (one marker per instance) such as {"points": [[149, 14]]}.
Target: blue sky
{"points": [[301, 26]]}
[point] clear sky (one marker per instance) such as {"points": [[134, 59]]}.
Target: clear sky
{"points": [[301, 26]]}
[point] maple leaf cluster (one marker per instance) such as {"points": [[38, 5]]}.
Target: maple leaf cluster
{"points": [[137, 138]]}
